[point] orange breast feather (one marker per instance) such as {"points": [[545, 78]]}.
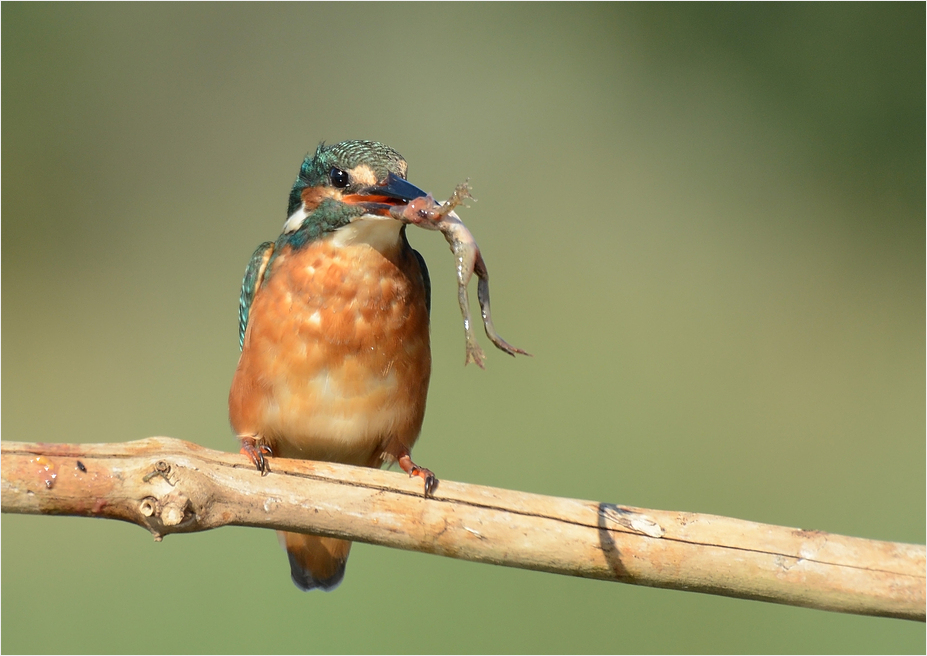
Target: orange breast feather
{"points": [[336, 358]]}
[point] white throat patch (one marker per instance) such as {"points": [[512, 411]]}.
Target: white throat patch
{"points": [[379, 232], [295, 220]]}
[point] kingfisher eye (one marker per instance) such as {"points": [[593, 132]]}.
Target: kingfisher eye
{"points": [[338, 177]]}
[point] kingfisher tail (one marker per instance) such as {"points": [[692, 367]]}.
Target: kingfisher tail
{"points": [[315, 562]]}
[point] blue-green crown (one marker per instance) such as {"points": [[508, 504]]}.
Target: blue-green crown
{"points": [[346, 155]]}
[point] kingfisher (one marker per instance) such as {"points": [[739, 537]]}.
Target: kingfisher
{"points": [[334, 334]]}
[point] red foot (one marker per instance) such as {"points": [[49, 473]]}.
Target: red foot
{"points": [[409, 467], [256, 452]]}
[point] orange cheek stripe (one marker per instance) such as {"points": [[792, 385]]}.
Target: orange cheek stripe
{"points": [[312, 196]]}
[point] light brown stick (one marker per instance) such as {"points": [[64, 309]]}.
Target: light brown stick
{"points": [[170, 486]]}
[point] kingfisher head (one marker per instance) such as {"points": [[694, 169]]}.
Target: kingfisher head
{"points": [[352, 183]]}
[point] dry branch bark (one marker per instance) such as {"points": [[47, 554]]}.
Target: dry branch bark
{"points": [[171, 486]]}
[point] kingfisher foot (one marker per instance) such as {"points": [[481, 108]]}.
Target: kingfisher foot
{"points": [[257, 453], [409, 467]]}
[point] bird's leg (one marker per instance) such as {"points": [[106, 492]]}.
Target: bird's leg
{"points": [[409, 467], [257, 453]]}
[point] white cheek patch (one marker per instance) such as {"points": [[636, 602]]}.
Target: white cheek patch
{"points": [[295, 220]]}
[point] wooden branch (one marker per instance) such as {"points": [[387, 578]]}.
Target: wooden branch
{"points": [[170, 486]]}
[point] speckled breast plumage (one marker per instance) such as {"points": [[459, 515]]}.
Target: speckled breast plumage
{"points": [[336, 357]]}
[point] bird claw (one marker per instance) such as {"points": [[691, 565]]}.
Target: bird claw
{"points": [[431, 481], [257, 452], [409, 467]]}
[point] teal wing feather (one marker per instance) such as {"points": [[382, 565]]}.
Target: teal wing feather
{"points": [[425, 278], [254, 276]]}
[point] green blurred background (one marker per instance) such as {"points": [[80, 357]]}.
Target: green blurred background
{"points": [[706, 222]]}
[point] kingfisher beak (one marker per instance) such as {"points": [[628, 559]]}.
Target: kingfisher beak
{"points": [[396, 188], [379, 198]]}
